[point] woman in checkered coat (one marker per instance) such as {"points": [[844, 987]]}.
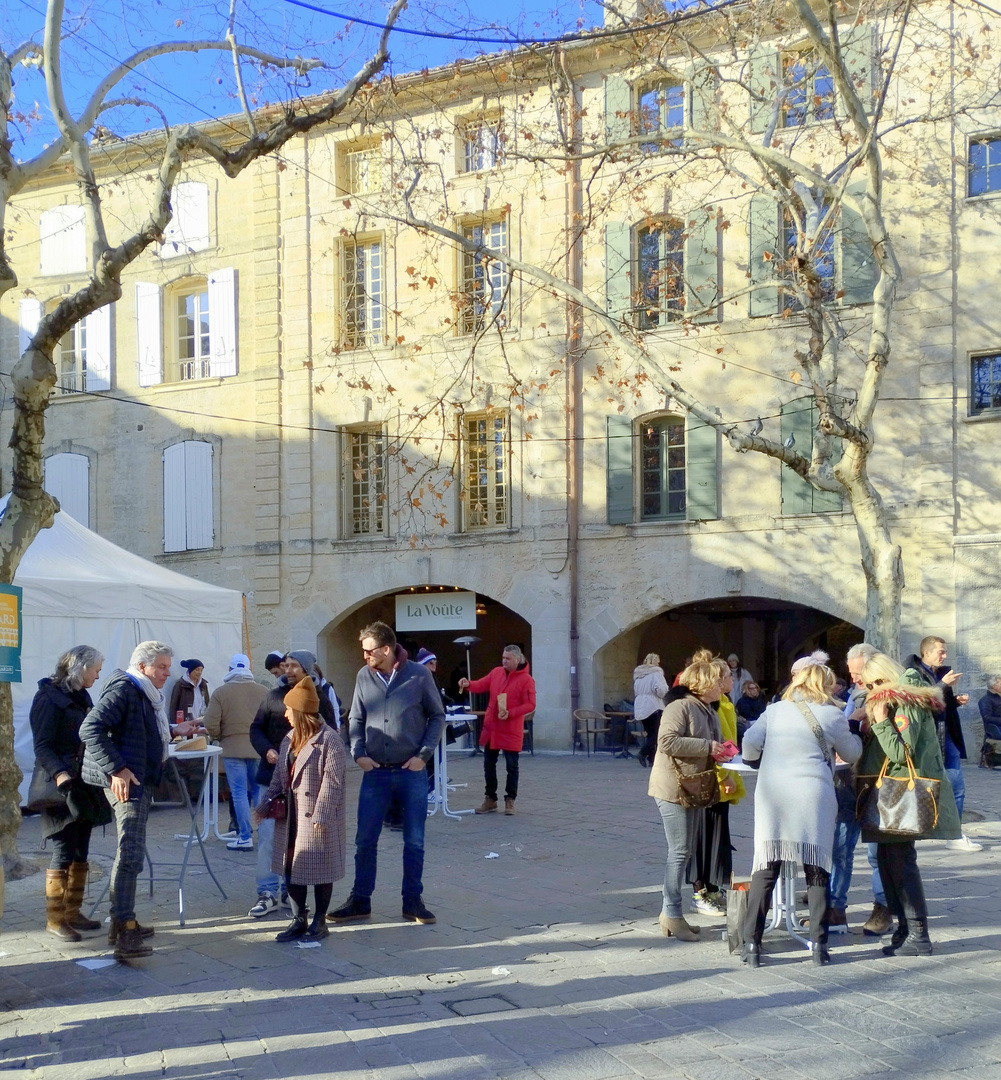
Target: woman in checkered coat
{"points": [[310, 843]]}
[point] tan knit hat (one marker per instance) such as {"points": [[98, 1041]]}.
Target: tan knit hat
{"points": [[302, 697]]}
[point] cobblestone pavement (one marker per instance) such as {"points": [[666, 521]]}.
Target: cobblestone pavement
{"points": [[546, 963]]}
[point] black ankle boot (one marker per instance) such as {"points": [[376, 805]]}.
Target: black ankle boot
{"points": [[318, 928], [917, 942], [295, 929], [820, 955], [899, 937], [752, 954]]}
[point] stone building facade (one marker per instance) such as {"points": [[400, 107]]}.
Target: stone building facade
{"points": [[301, 397]]}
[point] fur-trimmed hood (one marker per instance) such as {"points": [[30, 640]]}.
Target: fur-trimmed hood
{"points": [[922, 697]]}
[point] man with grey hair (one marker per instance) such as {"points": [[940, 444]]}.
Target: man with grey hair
{"points": [[512, 697], [847, 828], [125, 737]]}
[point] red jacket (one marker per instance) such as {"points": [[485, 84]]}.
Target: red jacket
{"points": [[520, 689]]}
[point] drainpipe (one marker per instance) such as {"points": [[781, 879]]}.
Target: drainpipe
{"points": [[575, 376]]}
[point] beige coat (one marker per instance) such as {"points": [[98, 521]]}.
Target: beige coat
{"points": [[231, 711], [687, 728]]}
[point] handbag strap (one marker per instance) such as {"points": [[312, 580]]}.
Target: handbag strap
{"points": [[818, 733]]}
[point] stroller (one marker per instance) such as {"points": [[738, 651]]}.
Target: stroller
{"points": [[990, 752]]}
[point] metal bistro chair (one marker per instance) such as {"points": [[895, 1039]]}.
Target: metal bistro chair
{"points": [[588, 725]]}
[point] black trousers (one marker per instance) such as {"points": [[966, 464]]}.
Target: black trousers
{"points": [[70, 845], [490, 772], [651, 725], [898, 870], [759, 900]]}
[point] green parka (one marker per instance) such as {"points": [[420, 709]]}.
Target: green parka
{"points": [[911, 716]]}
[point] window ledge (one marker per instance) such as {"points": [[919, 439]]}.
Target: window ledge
{"points": [[184, 384], [363, 543], [79, 395], [476, 536], [983, 417], [984, 195], [663, 527]]}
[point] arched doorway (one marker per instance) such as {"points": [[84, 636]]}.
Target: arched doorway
{"points": [[339, 651], [766, 634]]}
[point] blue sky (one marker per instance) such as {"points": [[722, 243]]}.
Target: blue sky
{"points": [[101, 33]]}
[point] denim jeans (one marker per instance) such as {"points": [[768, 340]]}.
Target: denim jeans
{"points": [[378, 787], [954, 770], [846, 834], [130, 821], [677, 831], [267, 881], [240, 775], [878, 893]]}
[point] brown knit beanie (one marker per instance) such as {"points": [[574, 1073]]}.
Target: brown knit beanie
{"points": [[302, 697]]}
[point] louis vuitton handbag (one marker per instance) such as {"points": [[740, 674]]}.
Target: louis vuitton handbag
{"points": [[899, 805]]}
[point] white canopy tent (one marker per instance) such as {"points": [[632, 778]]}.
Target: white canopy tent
{"points": [[80, 589]]}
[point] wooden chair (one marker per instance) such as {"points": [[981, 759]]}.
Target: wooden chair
{"points": [[588, 725]]}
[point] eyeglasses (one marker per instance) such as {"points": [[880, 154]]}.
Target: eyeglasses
{"points": [[875, 682], [372, 652]]}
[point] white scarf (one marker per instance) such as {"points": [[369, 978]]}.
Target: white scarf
{"points": [[159, 703]]}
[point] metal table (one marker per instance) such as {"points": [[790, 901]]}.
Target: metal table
{"points": [[441, 785]]}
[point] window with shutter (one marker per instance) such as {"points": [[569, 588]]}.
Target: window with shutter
{"points": [[799, 420], [188, 229], [67, 478], [63, 236], [188, 501]]}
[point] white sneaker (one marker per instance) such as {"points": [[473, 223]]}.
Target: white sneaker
{"points": [[708, 904], [265, 903], [231, 835], [241, 845], [963, 844]]}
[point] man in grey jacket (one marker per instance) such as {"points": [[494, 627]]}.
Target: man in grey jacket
{"points": [[395, 722]]}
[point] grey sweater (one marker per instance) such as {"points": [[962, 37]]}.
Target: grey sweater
{"points": [[391, 724]]}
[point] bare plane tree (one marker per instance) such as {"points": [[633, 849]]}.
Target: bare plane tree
{"points": [[30, 508]]}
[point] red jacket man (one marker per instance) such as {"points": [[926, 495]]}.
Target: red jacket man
{"points": [[512, 698]]}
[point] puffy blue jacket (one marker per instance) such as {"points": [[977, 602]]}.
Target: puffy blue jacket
{"points": [[120, 732]]}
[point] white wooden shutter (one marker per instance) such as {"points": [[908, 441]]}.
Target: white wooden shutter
{"points": [[188, 229], [198, 494], [63, 238], [67, 478], [222, 323], [149, 333], [99, 350], [187, 496], [174, 527], [29, 317]]}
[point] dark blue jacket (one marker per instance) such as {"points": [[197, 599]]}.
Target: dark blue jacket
{"points": [[270, 726], [121, 732]]}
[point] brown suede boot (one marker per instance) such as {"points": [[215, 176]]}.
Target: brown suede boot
{"points": [[115, 927], [488, 806], [677, 928], [76, 882], [55, 919], [509, 807]]}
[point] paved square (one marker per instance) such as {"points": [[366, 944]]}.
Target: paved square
{"points": [[545, 964]]}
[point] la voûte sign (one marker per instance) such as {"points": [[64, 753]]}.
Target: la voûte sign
{"points": [[436, 611]]}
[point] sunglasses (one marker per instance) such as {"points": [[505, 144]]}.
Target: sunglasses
{"points": [[875, 682]]}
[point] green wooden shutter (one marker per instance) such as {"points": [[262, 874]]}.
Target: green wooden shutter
{"points": [[800, 418], [702, 267], [763, 80], [763, 227], [857, 53], [618, 102], [858, 260], [701, 85], [619, 470], [618, 280], [701, 471], [797, 417]]}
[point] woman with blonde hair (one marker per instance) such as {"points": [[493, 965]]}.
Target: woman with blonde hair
{"points": [[794, 742], [901, 721], [711, 864], [649, 691], [310, 843], [688, 737]]}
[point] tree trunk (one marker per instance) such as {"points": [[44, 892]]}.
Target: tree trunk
{"points": [[10, 805]]}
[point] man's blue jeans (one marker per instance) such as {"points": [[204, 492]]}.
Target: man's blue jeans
{"points": [[240, 774], [954, 770], [267, 880], [846, 836], [378, 787]]}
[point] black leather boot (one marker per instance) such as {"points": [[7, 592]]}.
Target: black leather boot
{"points": [[917, 942], [752, 954], [295, 929], [899, 937]]}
